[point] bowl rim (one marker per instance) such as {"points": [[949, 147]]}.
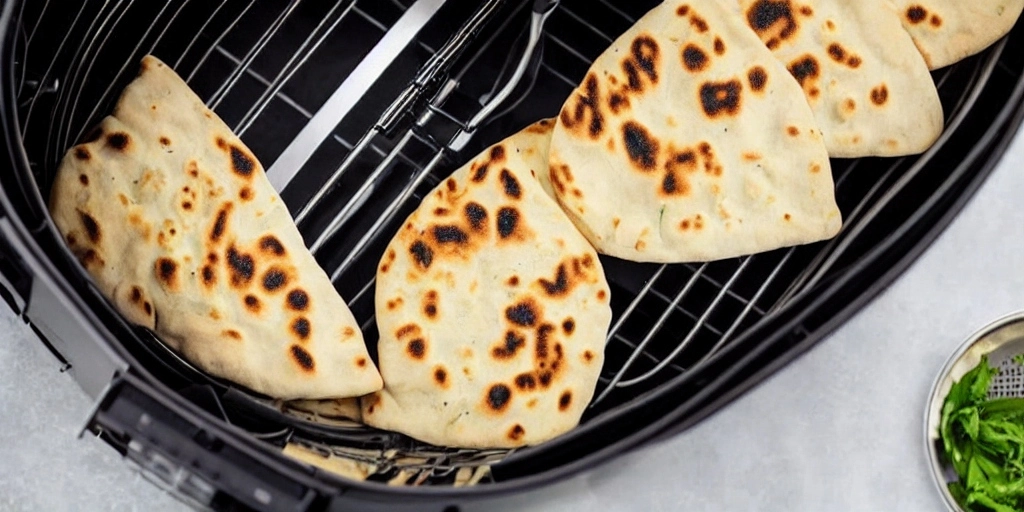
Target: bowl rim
{"points": [[940, 388]]}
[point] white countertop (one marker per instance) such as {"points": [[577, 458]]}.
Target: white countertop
{"points": [[838, 430]]}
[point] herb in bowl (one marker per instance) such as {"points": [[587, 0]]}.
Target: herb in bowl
{"points": [[983, 440]]}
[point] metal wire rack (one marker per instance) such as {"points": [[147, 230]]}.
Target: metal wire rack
{"points": [[362, 106]]}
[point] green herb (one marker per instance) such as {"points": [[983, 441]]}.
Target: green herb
{"points": [[983, 440], [1019, 359]]}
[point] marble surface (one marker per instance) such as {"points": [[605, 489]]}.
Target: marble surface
{"points": [[839, 430]]}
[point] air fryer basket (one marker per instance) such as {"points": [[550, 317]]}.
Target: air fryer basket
{"points": [[358, 108]]}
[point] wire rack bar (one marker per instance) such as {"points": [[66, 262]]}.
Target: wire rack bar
{"points": [[251, 55], [293, 65], [124, 67], [345, 97], [216, 42]]}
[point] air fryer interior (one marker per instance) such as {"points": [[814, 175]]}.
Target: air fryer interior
{"points": [[269, 68]]}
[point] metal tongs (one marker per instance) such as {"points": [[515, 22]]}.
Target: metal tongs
{"points": [[541, 11]]}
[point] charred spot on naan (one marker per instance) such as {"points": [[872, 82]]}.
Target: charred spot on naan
{"points": [[568, 326], [303, 359], [441, 377], [880, 95], [806, 70], [252, 303], [587, 105], [916, 14], [92, 228], [242, 163], [479, 171], [641, 146], [509, 225], [543, 342], [389, 259], [274, 279], [449, 235], [569, 274], [89, 258], [415, 343], [618, 102], [721, 98], [241, 267], [138, 299], [526, 381], [510, 185], [422, 254], [695, 59], [695, 223], [119, 141], [270, 245], [430, 302], [775, 21], [524, 313], [757, 77], [476, 215], [516, 432], [82, 153], [565, 401], [711, 164], [166, 271], [209, 276], [220, 223], [698, 23], [542, 127], [498, 398], [842, 56], [301, 328], [641, 65], [509, 347], [417, 348], [297, 300], [719, 46]]}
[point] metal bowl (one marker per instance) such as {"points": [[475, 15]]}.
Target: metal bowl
{"points": [[1002, 340]]}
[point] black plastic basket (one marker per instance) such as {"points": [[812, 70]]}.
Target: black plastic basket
{"points": [[686, 339]]}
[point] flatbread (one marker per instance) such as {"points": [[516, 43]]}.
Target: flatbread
{"points": [[947, 31], [688, 141], [336, 409], [493, 310], [869, 87], [341, 466], [179, 227]]}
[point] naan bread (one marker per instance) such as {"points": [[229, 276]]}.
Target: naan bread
{"points": [[492, 308], [341, 466], [947, 31], [688, 141], [867, 84], [336, 409], [179, 227]]}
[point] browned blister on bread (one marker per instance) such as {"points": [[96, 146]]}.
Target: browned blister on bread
{"points": [[688, 141], [173, 217], [869, 87], [492, 309]]}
